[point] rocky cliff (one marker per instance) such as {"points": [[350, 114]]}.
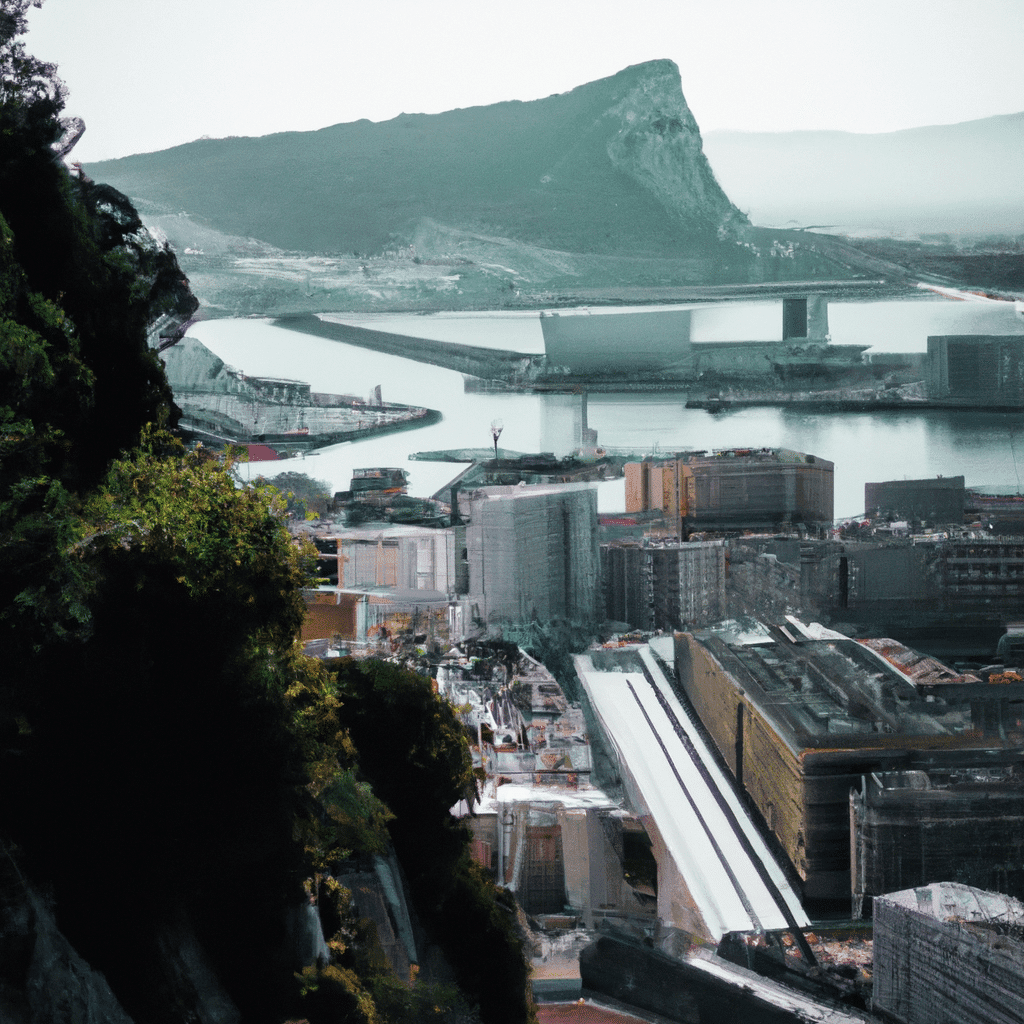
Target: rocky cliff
{"points": [[657, 143], [43, 980], [603, 192], [615, 165]]}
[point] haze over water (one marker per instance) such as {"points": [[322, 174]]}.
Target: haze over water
{"points": [[987, 448]]}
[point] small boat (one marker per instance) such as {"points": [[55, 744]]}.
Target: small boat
{"points": [[713, 404]]}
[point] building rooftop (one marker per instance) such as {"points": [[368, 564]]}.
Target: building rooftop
{"points": [[698, 457], [820, 689], [963, 904]]}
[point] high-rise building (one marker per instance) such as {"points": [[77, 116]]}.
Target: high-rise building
{"points": [[532, 551], [664, 585]]}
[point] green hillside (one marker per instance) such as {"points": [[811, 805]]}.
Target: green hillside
{"points": [[179, 786]]}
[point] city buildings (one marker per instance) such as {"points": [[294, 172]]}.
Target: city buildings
{"points": [[949, 952], [532, 552], [978, 370], [664, 585], [513, 554], [938, 500], [734, 489], [804, 715]]}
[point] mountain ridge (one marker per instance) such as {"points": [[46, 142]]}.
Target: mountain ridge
{"points": [[602, 189], [612, 165]]}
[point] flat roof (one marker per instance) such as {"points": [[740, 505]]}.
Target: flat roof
{"points": [[821, 689], [679, 784]]}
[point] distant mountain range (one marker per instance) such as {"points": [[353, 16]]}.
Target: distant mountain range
{"points": [[958, 178]]}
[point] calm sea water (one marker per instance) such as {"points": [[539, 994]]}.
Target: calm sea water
{"points": [[986, 448]]}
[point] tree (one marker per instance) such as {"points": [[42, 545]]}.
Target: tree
{"points": [[169, 761], [405, 734], [304, 496]]}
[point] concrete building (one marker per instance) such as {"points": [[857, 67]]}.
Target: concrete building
{"points": [[734, 489], [661, 343], [947, 952], [375, 616], [803, 715], [517, 553], [938, 500], [664, 585], [532, 552], [963, 823], [405, 557], [715, 873], [540, 828], [985, 370], [952, 596], [383, 580]]}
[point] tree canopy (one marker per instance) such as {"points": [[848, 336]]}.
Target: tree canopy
{"points": [[169, 761], [304, 496]]}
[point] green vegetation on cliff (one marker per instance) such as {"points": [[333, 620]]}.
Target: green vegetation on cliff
{"points": [[172, 769]]}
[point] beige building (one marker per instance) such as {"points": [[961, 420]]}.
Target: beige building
{"points": [[736, 488]]}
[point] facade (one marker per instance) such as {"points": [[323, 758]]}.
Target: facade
{"points": [[737, 488], [406, 557], [635, 345], [532, 552], [374, 616], [953, 595], [940, 499], [666, 585], [616, 342], [802, 716], [540, 828], [715, 873], [385, 579], [985, 370], [518, 553], [949, 952], [963, 823]]}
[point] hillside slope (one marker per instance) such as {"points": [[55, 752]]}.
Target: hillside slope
{"points": [[601, 192]]}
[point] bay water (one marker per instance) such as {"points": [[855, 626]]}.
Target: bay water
{"points": [[985, 447]]}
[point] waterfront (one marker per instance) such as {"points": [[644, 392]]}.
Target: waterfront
{"points": [[987, 448]]}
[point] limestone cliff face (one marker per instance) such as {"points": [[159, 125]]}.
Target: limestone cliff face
{"points": [[658, 145], [611, 168]]}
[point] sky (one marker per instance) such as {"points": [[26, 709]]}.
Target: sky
{"points": [[149, 74]]}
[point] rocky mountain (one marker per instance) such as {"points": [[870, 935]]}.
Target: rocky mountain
{"points": [[600, 192], [958, 179], [616, 165]]}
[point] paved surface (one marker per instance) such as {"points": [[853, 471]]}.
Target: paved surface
{"points": [[732, 877]]}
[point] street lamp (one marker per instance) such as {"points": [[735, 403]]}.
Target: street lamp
{"points": [[496, 428]]}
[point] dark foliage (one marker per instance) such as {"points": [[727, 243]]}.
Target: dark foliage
{"points": [[413, 750], [170, 765], [304, 496]]}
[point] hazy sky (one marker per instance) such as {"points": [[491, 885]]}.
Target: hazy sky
{"points": [[148, 74]]}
